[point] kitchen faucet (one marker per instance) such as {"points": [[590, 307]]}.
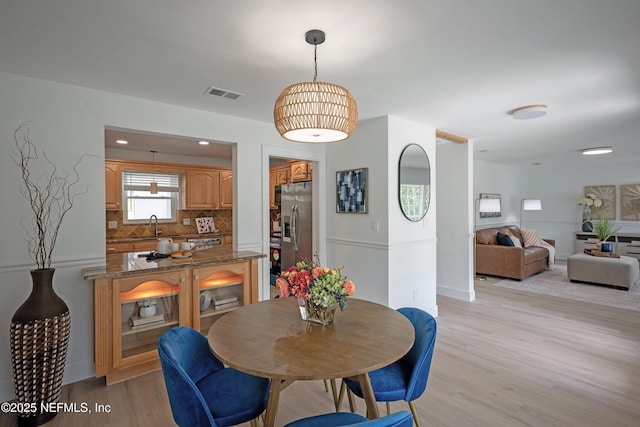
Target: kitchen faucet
{"points": [[151, 218]]}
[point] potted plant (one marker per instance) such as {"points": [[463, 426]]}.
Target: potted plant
{"points": [[40, 327], [604, 229], [319, 290]]}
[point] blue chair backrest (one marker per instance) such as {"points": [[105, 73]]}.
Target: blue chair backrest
{"points": [[420, 355], [186, 359], [398, 419]]}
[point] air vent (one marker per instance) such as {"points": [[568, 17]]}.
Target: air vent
{"points": [[224, 93]]}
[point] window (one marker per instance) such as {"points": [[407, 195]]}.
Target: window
{"points": [[141, 204], [414, 199]]}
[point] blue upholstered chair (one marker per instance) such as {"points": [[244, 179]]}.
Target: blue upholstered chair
{"points": [[344, 419], [407, 378], [202, 392]]}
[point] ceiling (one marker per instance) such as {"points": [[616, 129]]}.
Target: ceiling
{"points": [[456, 65]]}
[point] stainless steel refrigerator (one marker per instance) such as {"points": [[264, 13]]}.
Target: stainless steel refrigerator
{"points": [[296, 220]]}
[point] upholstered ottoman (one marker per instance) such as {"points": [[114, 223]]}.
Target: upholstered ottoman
{"points": [[622, 272]]}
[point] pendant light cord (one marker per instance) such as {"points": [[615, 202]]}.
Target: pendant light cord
{"points": [[315, 62]]}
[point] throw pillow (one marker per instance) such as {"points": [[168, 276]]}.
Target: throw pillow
{"points": [[515, 240], [504, 240], [531, 238]]}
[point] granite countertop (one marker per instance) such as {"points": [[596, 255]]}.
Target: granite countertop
{"points": [[130, 263], [178, 236]]}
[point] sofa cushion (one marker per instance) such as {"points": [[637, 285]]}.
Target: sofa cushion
{"points": [[516, 242], [531, 238], [534, 254], [504, 239]]}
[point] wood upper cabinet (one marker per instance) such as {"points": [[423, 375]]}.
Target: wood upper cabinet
{"points": [[272, 187], [113, 186], [226, 190], [283, 175], [300, 171], [202, 188], [209, 189]]}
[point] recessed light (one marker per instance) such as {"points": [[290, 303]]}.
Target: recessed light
{"points": [[122, 141], [536, 163], [203, 142], [529, 112], [484, 150], [594, 151]]}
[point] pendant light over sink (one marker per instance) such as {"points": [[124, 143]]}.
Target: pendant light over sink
{"points": [[315, 111], [154, 184]]}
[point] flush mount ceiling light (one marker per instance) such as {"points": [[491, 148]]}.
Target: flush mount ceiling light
{"points": [[122, 141], [529, 112], [315, 111], [597, 150], [203, 142]]}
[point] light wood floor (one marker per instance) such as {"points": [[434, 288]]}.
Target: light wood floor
{"points": [[508, 359]]}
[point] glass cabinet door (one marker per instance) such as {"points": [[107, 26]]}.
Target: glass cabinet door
{"points": [[217, 290], [144, 308]]}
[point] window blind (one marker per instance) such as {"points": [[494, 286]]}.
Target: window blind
{"points": [[141, 181]]}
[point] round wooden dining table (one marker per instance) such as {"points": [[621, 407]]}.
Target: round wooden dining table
{"points": [[269, 339]]}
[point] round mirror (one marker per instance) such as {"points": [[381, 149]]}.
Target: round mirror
{"points": [[414, 188]]}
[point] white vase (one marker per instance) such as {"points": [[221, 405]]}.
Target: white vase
{"points": [[147, 311]]}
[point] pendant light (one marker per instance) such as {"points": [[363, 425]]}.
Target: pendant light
{"points": [[315, 111], [154, 184]]}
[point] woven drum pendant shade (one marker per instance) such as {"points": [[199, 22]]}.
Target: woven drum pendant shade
{"points": [[315, 112]]}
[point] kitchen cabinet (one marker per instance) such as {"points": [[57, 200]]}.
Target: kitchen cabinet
{"points": [[283, 175], [202, 188], [300, 171], [226, 189], [217, 290], [135, 302], [113, 186], [272, 187], [208, 189]]}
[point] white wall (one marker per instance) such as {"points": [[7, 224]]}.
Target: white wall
{"points": [[412, 245], [352, 241], [69, 121], [510, 182], [455, 220]]}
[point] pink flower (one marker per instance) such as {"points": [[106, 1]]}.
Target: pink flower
{"points": [[317, 271], [349, 287], [283, 287]]}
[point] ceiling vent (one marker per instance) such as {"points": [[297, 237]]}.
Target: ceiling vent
{"points": [[224, 93]]}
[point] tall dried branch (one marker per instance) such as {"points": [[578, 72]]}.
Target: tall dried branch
{"points": [[50, 194]]}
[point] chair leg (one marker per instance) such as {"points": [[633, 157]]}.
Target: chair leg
{"points": [[352, 401], [334, 392], [414, 411], [326, 387], [254, 422], [388, 408]]}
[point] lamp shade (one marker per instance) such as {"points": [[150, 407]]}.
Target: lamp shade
{"points": [[315, 112], [489, 205], [531, 205]]}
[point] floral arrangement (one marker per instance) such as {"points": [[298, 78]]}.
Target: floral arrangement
{"points": [[322, 286], [590, 200]]}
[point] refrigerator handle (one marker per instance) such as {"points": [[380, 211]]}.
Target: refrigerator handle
{"points": [[294, 227]]}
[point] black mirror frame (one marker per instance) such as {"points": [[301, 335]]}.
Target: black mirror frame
{"points": [[400, 182]]}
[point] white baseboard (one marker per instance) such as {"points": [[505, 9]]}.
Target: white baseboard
{"points": [[456, 293]]}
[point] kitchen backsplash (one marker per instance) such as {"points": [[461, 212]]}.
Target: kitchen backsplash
{"points": [[223, 220]]}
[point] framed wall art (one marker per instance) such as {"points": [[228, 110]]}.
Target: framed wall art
{"points": [[606, 193], [351, 191], [630, 202], [490, 214]]}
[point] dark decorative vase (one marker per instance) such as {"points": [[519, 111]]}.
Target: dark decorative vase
{"points": [[39, 340], [587, 224]]}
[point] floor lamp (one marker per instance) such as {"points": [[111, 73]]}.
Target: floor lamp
{"points": [[482, 206], [529, 205]]}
